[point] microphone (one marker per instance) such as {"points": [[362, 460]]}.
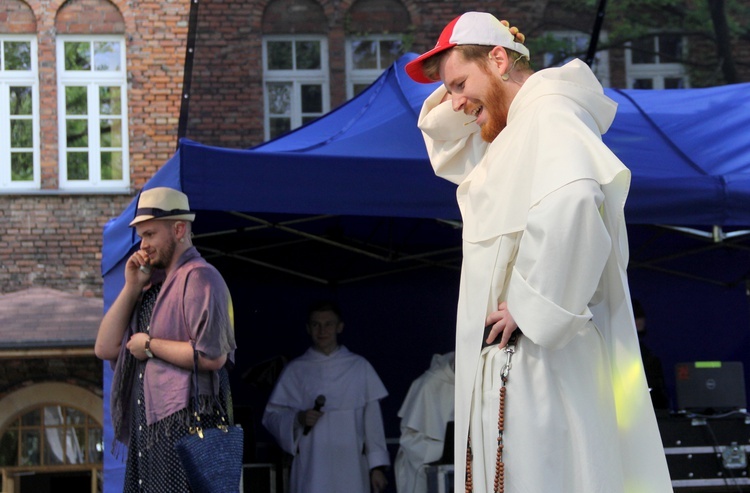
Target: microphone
{"points": [[320, 401]]}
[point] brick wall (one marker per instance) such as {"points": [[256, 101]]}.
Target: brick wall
{"points": [[55, 240], [85, 372]]}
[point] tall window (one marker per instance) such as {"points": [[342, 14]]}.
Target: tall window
{"points": [[92, 106], [564, 46], [653, 62], [19, 113], [367, 58], [295, 74]]}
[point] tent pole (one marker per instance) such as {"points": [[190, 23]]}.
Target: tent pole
{"points": [[595, 32], [187, 71]]}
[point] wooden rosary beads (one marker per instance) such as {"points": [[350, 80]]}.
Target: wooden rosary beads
{"points": [[499, 484]]}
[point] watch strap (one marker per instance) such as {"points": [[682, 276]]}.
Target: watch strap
{"points": [[147, 349]]}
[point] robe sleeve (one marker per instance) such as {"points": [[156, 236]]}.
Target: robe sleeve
{"points": [[453, 142], [280, 415], [377, 451], [209, 313], [560, 261], [281, 422]]}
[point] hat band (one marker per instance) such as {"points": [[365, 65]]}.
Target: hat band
{"points": [[156, 212]]}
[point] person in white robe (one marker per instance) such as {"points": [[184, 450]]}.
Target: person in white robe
{"points": [[337, 441], [545, 251], [425, 412]]}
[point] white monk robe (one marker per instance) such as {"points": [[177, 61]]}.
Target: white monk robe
{"points": [[544, 230], [426, 410], [348, 440]]}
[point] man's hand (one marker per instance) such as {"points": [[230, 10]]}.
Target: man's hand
{"points": [[502, 322], [137, 345], [378, 480], [520, 37], [309, 417]]}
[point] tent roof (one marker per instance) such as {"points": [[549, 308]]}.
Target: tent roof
{"points": [[686, 149]]}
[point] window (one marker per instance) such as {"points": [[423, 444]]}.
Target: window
{"points": [[92, 106], [564, 46], [653, 62], [52, 435], [295, 74], [19, 113], [367, 58]]}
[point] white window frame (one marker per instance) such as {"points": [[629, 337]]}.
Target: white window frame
{"points": [[657, 71], [92, 80], [10, 79], [364, 76], [297, 78], [601, 66]]}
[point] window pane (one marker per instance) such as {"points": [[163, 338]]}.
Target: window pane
{"points": [[74, 417], [77, 133], [279, 126], [106, 56], [364, 54], [21, 166], [358, 88], [76, 100], [643, 84], [9, 448], [110, 133], [17, 55], [21, 134], [30, 448], [20, 101], [111, 165], [642, 50], [95, 446], [674, 83], [670, 48], [32, 418], [77, 55], [390, 51], [279, 98], [312, 98], [54, 445], [78, 165], [308, 55], [53, 416], [109, 101], [74, 437], [279, 55]]}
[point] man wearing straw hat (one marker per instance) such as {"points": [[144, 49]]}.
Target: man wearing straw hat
{"points": [[172, 304], [551, 396]]}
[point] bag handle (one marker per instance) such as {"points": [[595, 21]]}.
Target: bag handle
{"points": [[195, 426]]}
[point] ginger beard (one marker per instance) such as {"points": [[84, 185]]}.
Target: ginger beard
{"points": [[497, 110]]}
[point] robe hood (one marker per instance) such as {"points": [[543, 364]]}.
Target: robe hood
{"points": [[574, 81]]}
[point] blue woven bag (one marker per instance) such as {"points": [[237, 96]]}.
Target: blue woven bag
{"points": [[212, 458]]}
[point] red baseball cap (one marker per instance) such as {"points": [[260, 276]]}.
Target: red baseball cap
{"points": [[471, 28]]}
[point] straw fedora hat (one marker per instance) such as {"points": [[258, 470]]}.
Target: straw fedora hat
{"points": [[162, 203]]}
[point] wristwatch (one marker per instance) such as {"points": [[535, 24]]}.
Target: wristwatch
{"points": [[147, 349]]}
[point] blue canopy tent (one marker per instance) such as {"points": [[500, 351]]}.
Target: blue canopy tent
{"points": [[344, 200]]}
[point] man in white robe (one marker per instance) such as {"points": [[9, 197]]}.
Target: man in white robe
{"points": [[337, 442], [425, 412], [545, 250]]}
